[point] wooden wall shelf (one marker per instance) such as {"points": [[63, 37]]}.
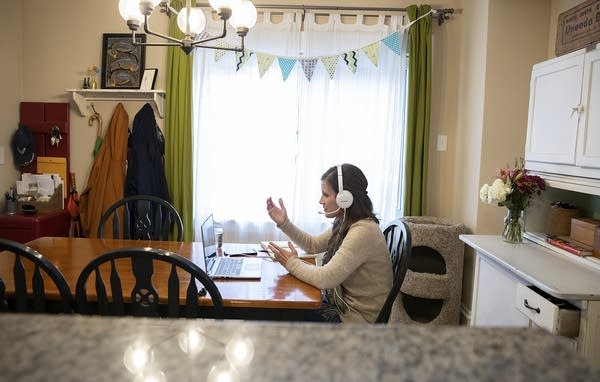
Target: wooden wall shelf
{"points": [[83, 97]]}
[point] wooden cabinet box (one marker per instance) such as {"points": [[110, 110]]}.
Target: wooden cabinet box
{"points": [[582, 230], [23, 228]]}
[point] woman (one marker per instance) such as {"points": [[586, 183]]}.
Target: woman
{"points": [[357, 272]]}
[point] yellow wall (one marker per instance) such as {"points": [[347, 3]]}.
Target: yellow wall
{"points": [[482, 62], [12, 89], [64, 38]]}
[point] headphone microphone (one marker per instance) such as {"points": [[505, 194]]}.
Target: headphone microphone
{"points": [[329, 213], [344, 198]]}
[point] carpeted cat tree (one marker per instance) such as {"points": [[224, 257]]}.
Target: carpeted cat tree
{"points": [[431, 291]]}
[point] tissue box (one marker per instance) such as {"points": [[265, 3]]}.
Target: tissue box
{"points": [[582, 230]]}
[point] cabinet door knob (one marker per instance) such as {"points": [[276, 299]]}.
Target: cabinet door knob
{"points": [[537, 310], [576, 109]]}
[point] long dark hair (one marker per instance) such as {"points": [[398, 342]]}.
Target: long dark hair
{"points": [[362, 208]]}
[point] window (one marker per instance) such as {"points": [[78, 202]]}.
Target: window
{"points": [[256, 137]]}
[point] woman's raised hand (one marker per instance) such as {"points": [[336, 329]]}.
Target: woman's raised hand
{"points": [[277, 214], [283, 255]]}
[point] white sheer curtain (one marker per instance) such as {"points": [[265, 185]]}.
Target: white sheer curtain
{"points": [[258, 137]]}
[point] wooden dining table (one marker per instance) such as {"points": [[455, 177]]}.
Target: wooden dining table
{"points": [[275, 292]]}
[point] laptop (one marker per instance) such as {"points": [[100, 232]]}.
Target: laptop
{"points": [[226, 267]]}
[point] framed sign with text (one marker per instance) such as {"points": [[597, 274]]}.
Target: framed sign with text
{"points": [[578, 27]]}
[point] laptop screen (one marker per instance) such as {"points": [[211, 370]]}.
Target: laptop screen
{"points": [[208, 238]]}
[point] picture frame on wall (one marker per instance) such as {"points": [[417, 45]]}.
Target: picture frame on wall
{"points": [[122, 61], [148, 79]]}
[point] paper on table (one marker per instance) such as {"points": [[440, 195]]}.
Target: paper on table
{"points": [[45, 187]]}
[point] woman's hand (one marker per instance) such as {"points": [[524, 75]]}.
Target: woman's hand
{"points": [[277, 214], [283, 255]]}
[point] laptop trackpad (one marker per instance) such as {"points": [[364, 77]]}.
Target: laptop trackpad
{"points": [[251, 266]]}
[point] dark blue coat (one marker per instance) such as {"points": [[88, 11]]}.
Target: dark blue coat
{"points": [[146, 163]]}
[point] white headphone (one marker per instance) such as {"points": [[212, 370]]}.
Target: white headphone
{"points": [[344, 198]]}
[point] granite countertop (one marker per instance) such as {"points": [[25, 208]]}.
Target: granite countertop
{"points": [[77, 348]]}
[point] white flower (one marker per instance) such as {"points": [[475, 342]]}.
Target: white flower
{"points": [[483, 193], [496, 193]]}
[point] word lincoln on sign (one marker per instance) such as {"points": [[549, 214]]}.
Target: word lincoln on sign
{"points": [[578, 27]]}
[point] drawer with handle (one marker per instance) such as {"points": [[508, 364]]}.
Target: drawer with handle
{"points": [[556, 315]]}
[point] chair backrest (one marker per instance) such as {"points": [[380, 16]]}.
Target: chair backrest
{"points": [[36, 301], [141, 217], [397, 237], [144, 297]]}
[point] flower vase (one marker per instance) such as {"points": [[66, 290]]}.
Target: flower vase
{"points": [[514, 224]]}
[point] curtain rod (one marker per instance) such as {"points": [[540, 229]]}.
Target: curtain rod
{"points": [[441, 13]]}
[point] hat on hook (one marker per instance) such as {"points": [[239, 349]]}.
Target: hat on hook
{"points": [[23, 146]]}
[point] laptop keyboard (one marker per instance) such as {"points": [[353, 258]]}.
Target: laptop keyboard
{"points": [[229, 267]]}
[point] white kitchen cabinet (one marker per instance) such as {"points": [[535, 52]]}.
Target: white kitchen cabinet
{"points": [[555, 98], [529, 285], [588, 138], [563, 130], [494, 297]]}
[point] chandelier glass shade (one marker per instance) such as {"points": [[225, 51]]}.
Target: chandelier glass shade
{"points": [[241, 15]]}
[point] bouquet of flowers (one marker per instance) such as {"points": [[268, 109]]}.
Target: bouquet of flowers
{"points": [[513, 188]]}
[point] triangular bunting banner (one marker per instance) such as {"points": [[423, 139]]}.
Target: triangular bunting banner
{"points": [[264, 62], [218, 52], [393, 42], [241, 58], [372, 52], [330, 63], [286, 65], [308, 65], [350, 59]]}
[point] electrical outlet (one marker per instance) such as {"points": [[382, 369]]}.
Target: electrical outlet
{"points": [[442, 142]]}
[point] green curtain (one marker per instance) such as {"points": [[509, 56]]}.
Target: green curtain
{"points": [[178, 127], [418, 111]]}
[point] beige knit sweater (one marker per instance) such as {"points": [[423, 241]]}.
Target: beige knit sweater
{"points": [[360, 271]]}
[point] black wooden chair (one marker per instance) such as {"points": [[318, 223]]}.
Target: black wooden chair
{"points": [[141, 217], [397, 237], [144, 298], [36, 301]]}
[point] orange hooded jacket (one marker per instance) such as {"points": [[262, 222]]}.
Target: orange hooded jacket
{"points": [[106, 183]]}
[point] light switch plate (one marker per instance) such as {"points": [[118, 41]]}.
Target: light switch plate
{"points": [[442, 142], [2, 155]]}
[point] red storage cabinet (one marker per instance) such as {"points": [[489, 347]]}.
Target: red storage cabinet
{"points": [[23, 228], [42, 118]]}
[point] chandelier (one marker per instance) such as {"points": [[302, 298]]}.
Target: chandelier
{"points": [[241, 15]]}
